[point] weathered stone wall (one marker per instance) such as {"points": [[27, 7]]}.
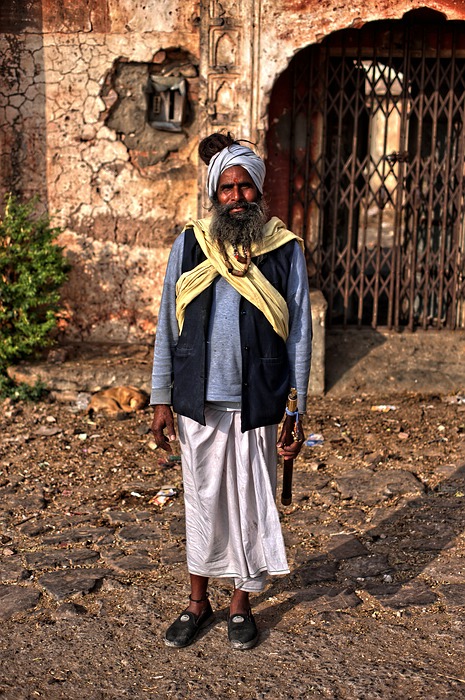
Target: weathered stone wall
{"points": [[22, 116], [75, 129]]}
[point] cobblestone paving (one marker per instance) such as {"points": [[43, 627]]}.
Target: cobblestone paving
{"points": [[92, 570]]}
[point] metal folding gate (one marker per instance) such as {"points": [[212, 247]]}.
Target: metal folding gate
{"points": [[377, 172]]}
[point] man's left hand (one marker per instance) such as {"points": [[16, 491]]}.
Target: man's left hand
{"points": [[291, 439]]}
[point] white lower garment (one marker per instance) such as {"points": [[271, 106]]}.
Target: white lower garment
{"points": [[232, 523]]}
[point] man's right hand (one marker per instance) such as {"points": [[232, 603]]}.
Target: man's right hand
{"points": [[163, 418]]}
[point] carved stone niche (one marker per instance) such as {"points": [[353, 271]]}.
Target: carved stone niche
{"points": [[223, 99], [224, 8], [224, 49]]}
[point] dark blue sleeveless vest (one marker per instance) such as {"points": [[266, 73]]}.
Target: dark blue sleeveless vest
{"points": [[265, 364]]}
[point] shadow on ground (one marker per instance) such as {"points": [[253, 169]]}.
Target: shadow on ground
{"points": [[386, 561], [347, 348]]}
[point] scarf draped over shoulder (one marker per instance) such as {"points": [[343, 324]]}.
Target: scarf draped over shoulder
{"points": [[254, 286]]}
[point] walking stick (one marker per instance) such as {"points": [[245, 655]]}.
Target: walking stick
{"points": [[288, 464], [286, 495]]}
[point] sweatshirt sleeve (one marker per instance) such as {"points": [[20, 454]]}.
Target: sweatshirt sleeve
{"points": [[299, 342], [167, 329]]}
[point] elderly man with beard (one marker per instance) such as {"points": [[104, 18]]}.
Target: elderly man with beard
{"points": [[233, 337]]}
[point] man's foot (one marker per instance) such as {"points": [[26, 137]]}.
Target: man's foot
{"points": [[242, 630], [239, 602], [187, 626]]}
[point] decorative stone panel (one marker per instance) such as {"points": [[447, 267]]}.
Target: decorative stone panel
{"points": [[227, 64]]}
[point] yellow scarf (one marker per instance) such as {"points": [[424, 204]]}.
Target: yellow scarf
{"points": [[254, 286]]}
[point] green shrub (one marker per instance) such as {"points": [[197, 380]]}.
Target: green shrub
{"points": [[21, 392], [32, 270]]}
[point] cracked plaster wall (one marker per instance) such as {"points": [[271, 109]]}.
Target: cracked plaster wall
{"points": [[119, 216], [121, 210], [22, 116]]}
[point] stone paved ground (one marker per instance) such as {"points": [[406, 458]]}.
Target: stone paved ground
{"points": [[92, 570]]}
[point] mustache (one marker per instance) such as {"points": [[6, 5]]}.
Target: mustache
{"points": [[223, 209]]}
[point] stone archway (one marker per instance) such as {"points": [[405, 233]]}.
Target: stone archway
{"points": [[365, 159]]}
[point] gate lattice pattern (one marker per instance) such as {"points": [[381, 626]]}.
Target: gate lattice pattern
{"points": [[377, 173]]}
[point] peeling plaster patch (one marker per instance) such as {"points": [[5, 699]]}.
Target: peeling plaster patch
{"points": [[126, 96], [102, 152], [54, 141]]}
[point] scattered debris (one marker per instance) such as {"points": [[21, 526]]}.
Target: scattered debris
{"points": [[82, 400], [170, 461], [314, 439], [458, 399], [47, 430], [165, 494], [402, 499], [384, 408]]}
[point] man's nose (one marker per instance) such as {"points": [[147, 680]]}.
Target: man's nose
{"points": [[235, 193]]}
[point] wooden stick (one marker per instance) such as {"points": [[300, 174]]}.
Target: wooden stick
{"points": [[288, 464], [286, 495]]}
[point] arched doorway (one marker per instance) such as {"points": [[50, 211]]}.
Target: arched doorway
{"points": [[366, 149]]}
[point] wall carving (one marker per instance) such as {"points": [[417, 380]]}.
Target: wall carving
{"points": [[227, 63], [224, 49]]}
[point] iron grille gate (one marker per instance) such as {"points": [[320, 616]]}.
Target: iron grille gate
{"points": [[376, 179]]}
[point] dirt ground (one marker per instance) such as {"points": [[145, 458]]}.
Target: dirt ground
{"points": [[92, 569]]}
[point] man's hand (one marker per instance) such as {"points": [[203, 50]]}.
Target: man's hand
{"points": [[163, 418], [289, 444]]}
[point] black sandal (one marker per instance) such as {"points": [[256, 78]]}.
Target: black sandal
{"points": [[242, 630], [187, 626]]}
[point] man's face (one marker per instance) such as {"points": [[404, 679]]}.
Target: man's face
{"points": [[239, 212], [235, 186]]}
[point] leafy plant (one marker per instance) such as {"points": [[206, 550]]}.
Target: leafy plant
{"points": [[32, 270], [21, 392]]}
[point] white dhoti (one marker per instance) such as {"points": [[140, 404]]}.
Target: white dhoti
{"points": [[232, 523]]}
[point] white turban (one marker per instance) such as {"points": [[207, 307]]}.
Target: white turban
{"points": [[235, 155]]}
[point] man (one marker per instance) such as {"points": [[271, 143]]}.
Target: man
{"points": [[233, 337]]}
